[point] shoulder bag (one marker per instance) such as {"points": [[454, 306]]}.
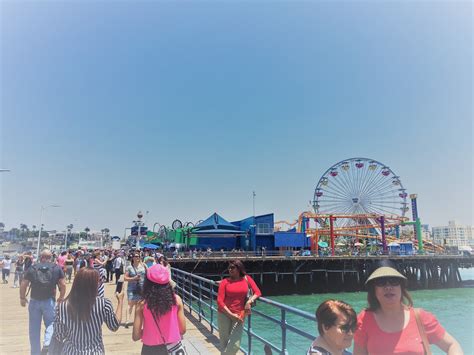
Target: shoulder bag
{"points": [[421, 329], [173, 349], [56, 346], [249, 293]]}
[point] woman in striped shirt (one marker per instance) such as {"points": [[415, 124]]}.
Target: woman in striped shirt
{"points": [[79, 318]]}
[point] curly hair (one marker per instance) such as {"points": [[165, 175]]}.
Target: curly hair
{"points": [[159, 298]]}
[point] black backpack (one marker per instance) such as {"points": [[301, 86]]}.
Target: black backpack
{"points": [[82, 263], [43, 276]]}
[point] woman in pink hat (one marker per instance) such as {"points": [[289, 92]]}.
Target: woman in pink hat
{"points": [[159, 317]]}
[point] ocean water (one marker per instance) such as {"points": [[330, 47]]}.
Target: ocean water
{"points": [[454, 308]]}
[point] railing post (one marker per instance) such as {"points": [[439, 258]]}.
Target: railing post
{"points": [[200, 301], [211, 297], [249, 335], [283, 332], [190, 294]]}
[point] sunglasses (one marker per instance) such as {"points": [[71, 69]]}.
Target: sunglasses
{"points": [[232, 267], [391, 281], [349, 327]]}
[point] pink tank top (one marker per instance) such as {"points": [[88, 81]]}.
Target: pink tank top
{"points": [[168, 325]]}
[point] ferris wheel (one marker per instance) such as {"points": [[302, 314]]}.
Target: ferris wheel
{"points": [[360, 186]]}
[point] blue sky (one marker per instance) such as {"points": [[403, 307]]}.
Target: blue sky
{"points": [[185, 108]]}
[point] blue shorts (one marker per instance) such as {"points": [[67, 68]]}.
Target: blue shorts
{"points": [[133, 295]]}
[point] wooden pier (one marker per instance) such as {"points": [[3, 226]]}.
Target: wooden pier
{"points": [[279, 275], [14, 328]]}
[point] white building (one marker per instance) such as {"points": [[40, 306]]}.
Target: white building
{"points": [[454, 235]]}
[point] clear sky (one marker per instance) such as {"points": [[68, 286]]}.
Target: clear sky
{"points": [[185, 108]]}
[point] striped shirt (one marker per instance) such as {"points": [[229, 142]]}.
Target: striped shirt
{"points": [[84, 338], [102, 278]]}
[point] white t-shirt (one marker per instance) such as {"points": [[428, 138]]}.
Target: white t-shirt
{"points": [[118, 263], [7, 263]]}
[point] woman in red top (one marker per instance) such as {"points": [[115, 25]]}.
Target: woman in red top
{"points": [[232, 307], [389, 325]]}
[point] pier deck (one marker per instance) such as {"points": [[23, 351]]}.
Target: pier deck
{"points": [[14, 328]]}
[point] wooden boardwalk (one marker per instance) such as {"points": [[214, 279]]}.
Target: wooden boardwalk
{"points": [[14, 328]]}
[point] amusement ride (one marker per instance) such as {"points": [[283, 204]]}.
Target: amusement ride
{"points": [[358, 202]]}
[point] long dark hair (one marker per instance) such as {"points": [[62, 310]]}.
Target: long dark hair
{"points": [[83, 293], [239, 265], [374, 303], [159, 298]]}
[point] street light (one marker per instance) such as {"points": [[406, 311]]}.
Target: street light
{"points": [[68, 231], [4, 170], [41, 227], [139, 224]]}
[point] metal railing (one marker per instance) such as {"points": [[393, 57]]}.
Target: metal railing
{"points": [[295, 254], [200, 296]]}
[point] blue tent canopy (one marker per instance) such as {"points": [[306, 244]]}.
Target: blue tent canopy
{"points": [[150, 246], [215, 222]]}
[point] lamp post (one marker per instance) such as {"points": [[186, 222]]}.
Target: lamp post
{"points": [[68, 231], [41, 227], [139, 224]]}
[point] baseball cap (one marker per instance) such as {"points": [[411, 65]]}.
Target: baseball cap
{"points": [[158, 274]]}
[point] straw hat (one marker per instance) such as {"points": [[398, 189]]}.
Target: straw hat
{"points": [[384, 271]]}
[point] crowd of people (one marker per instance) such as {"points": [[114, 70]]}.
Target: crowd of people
{"points": [[390, 324]]}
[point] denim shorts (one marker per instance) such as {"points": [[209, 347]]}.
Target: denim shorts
{"points": [[133, 295]]}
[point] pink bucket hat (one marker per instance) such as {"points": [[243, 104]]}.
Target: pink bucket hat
{"points": [[158, 274]]}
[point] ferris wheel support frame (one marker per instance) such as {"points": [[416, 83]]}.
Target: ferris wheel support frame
{"points": [[303, 226]]}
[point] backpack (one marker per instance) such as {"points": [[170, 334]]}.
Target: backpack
{"points": [[82, 263], [43, 276]]}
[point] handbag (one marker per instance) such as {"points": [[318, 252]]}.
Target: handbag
{"points": [[421, 329], [55, 346], [173, 349], [249, 293]]}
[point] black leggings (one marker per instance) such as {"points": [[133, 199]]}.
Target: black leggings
{"points": [[110, 274], [154, 350], [118, 273]]}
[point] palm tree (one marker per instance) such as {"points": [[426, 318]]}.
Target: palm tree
{"points": [[87, 230], [2, 226], [105, 232], [69, 227], [24, 231]]}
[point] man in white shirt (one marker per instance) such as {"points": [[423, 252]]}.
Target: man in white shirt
{"points": [[6, 265], [118, 267]]}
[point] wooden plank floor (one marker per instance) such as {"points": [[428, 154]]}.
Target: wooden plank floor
{"points": [[14, 328]]}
